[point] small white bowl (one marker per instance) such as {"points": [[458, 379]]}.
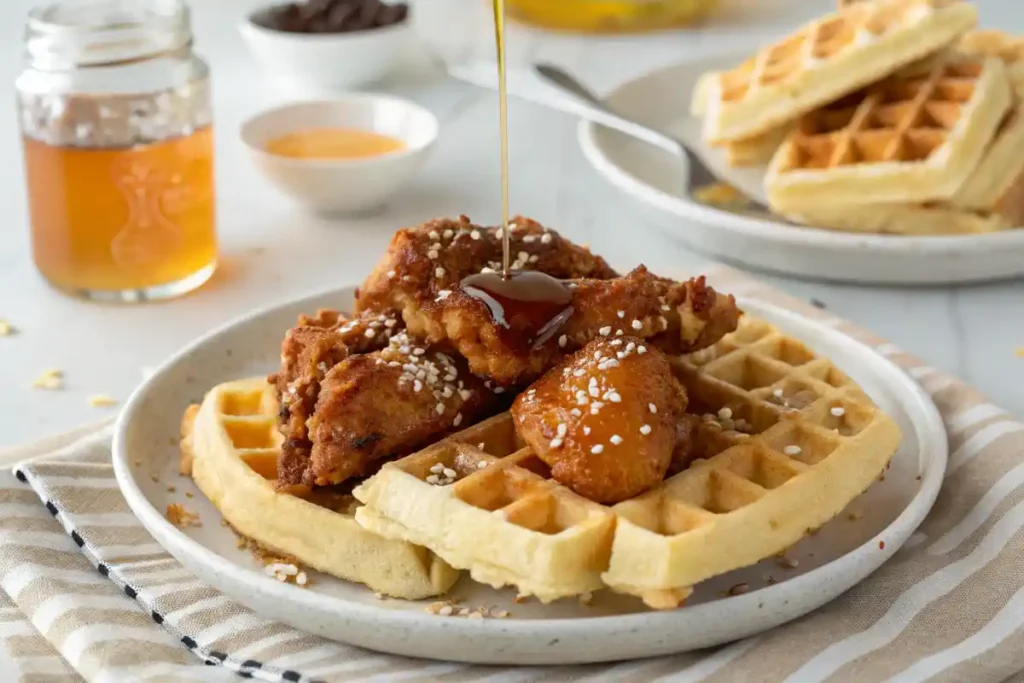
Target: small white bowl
{"points": [[343, 185], [325, 61]]}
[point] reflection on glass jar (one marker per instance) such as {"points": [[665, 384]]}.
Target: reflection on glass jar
{"points": [[607, 16], [117, 127]]}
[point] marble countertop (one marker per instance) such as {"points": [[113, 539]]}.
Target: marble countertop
{"points": [[272, 252]]}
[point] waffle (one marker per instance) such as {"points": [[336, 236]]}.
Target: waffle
{"points": [[1008, 48], [991, 199], [230, 446], [914, 137], [827, 59], [755, 151], [815, 442]]}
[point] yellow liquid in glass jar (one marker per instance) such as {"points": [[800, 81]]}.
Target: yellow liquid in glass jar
{"points": [[610, 16], [333, 143]]}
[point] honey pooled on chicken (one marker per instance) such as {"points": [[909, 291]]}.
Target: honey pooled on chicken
{"points": [[605, 419]]}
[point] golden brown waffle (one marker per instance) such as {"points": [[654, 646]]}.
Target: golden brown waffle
{"points": [[786, 442], [825, 60], [991, 199], [230, 448], [1006, 47], [913, 137]]}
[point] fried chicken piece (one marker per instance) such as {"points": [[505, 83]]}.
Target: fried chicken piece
{"points": [[423, 261], [309, 350], [676, 317], [605, 419], [386, 404]]}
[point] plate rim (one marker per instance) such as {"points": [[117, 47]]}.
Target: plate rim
{"points": [[173, 539], [765, 229]]}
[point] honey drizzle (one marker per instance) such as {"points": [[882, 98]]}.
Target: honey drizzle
{"points": [[499, 36]]}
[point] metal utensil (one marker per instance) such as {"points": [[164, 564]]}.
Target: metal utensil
{"points": [[594, 109]]}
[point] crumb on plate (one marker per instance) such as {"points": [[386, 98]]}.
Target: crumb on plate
{"points": [[180, 517]]}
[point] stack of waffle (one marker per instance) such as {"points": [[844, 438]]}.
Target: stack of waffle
{"points": [[888, 116]]}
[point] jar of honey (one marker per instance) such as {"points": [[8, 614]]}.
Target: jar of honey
{"points": [[116, 122], [609, 16]]}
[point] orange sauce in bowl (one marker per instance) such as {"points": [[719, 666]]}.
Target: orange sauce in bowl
{"points": [[333, 143]]}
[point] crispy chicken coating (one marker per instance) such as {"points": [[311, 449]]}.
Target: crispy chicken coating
{"points": [[309, 350], [386, 404], [605, 419], [676, 317], [423, 261]]}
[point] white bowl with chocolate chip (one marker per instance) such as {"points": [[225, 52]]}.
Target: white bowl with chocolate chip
{"points": [[343, 186], [326, 58]]}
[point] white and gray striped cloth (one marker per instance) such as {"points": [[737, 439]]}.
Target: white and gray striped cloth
{"points": [[88, 595]]}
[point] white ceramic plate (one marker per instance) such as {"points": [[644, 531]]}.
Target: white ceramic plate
{"points": [[612, 627], [653, 177]]}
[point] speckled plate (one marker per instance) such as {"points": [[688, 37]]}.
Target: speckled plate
{"points": [[612, 627]]}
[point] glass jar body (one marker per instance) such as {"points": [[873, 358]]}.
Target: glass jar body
{"points": [[119, 167]]}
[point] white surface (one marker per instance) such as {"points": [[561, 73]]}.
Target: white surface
{"points": [[271, 251], [343, 185], [324, 61], [842, 553], [654, 178]]}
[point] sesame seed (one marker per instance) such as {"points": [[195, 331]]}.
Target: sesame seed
{"points": [[605, 331], [443, 294], [499, 390], [666, 307], [433, 235], [616, 439], [448, 234], [595, 392], [637, 325], [621, 314], [645, 429], [522, 256], [838, 411], [792, 450], [641, 350], [618, 333], [653, 408], [576, 412], [439, 271], [458, 420], [562, 429], [432, 479], [664, 323], [449, 472], [777, 393], [418, 352], [614, 397], [445, 611], [586, 430], [533, 258], [556, 443], [725, 413], [578, 372], [475, 235], [529, 238], [391, 275], [464, 394], [370, 333], [439, 408], [432, 254], [437, 468], [597, 449], [562, 341], [616, 342], [417, 385], [483, 463]]}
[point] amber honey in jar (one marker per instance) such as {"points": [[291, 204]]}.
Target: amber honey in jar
{"points": [[610, 16], [118, 142]]}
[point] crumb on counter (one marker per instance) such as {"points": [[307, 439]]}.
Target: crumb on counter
{"points": [[50, 380], [102, 401], [1020, 352], [6, 329], [180, 517], [719, 194]]}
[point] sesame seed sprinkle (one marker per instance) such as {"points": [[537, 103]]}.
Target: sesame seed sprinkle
{"points": [[562, 341], [596, 450], [556, 443], [458, 419], [616, 439], [645, 429], [586, 431], [653, 408], [439, 271], [475, 235], [838, 411], [621, 314], [637, 325], [439, 408], [605, 331], [792, 450]]}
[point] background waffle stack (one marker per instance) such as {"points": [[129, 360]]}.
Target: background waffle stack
{"points": [[917, 140], [230, 446], [785, 442]]}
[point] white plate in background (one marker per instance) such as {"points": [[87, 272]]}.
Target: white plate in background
{"points": [[614, 627], [651, 176]]}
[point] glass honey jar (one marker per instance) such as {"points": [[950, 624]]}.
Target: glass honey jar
{"points": [[116, 122], [610, 16]]}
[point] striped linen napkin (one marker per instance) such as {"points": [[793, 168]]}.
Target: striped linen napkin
{"points": [[948, 607]]}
